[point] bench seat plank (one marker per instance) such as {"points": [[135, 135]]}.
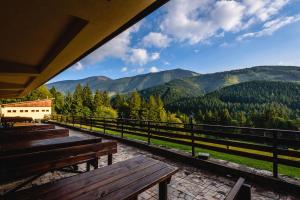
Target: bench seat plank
{"points": [[44, 144], [123, 180], [14, 137], [32, 127], [17, 166]]}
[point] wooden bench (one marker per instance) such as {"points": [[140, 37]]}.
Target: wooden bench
{"points": [[240, 191], [21, 160], [10, 121], [120, 181], [31, 127], [18, 136]]}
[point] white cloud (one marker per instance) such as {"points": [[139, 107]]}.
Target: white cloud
{"points": [[78, 66], [155, 56], [124, 69], [270, 27], [264, 9], [198, 21], [154, 39], [153, 69], [120, 47], [141, 56]]}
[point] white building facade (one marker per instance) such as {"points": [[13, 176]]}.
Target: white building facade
{"points": [[38, 109]]}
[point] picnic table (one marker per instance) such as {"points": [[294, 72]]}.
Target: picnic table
{"points": [[18, 136], [121, 181], [27, 127], [10, 121], [33, 157]]}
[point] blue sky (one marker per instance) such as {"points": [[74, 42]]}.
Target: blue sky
{"points": [[202, 35]]}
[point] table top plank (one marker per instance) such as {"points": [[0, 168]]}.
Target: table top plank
{"points": [[62, 185], [29, 146], [30, 127], [119, 181]]}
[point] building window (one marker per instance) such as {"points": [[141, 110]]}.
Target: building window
{"points": [[32, 110], [8, 110], [21, 110], [47, 110], [37, 111], [43, 110], [26, 110], [14, 111]]}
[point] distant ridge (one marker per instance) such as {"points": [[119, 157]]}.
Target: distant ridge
{"points": [[206, 83], [126, 84]]}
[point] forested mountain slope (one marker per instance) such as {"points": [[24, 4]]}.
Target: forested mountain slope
{"points": [[123, 85], [206, 83]]}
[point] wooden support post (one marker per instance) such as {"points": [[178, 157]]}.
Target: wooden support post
{"points": [[149, 139], [91, 123], [122, 127], [275, 156], [88, 166], [192, 135], [80, 121], [95, 163], [245, 193], [109, 159], [104, 125], [163, 190]]}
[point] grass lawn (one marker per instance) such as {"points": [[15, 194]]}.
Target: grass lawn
{"points": [[258, 164]]}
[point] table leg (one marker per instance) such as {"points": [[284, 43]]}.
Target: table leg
{"points": [[163, 190], [109, 159]]}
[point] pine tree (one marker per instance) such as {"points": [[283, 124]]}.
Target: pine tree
{"points": [[161, 112], [68, 104], [135, 105], [58, 101], [106, 99], [77, 101], [152, 113]]}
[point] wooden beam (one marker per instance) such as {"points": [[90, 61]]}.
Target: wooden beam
{"points": [[11, 86], [9, 68], [75, 25]]}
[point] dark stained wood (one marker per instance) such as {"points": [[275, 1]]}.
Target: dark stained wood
{"points": [[15, 165], [15, 119], [9, 68], [123, 180], [240, 191], [29, 127], [43, 145], [14, 137]]}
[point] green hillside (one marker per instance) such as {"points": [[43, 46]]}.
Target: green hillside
{"points": [[256, 103], [123, 85], [206, 83]]}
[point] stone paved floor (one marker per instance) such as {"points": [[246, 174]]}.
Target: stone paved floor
{"points": [[188, 184]]}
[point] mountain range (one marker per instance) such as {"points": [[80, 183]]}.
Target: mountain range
{"points": [[172, 85], [123, 85], [206, 83]]}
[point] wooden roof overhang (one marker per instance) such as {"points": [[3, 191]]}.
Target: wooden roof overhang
{"points": [[41, 38]]}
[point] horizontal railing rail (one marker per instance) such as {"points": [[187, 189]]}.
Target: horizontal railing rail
{"points": [[271, 145]]}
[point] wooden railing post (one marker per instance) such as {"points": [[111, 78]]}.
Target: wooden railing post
{"points": [[104, 125], [149, 139], [192, 135], [91, 123], [275, 155], [80, 121], [122, 127]]}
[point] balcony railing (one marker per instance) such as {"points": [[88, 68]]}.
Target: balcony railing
{"points": [[270, 145]]}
